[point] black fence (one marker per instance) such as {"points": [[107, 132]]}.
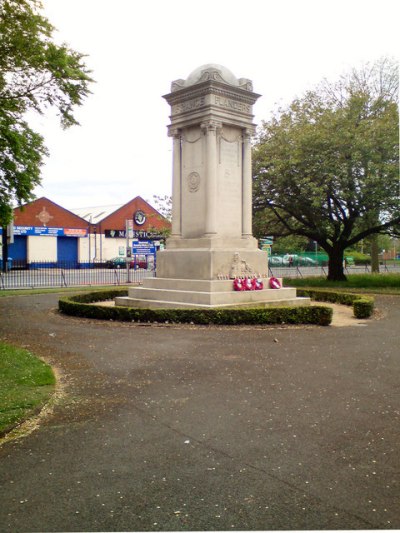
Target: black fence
{"points": [[305, 272], [46, 274], [69, 274]]}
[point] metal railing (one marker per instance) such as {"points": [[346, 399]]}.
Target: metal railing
{"points": [[46, 274], [305, 272]]}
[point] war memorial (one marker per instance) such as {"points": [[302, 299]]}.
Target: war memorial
{"points": [[211, 244]]}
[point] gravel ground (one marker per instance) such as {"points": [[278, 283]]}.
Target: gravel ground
{"points": [[206, 428]]}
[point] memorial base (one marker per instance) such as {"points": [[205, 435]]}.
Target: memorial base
{"points": [[211, 259], [199, 273], [183, 293]]}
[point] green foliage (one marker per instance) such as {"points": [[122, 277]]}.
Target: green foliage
{"points": [[164, 205], [35, 74], [363, 306], [359, 258], [290, 244], [326, 168], [26, 383], [354, 281], [82, 306]]}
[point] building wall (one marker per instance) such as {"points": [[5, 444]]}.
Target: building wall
{"points": [[98, 248], [117, 220], [42, 222], [45, 214], [42, 249]]}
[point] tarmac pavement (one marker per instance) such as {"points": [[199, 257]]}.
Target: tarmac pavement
{"points": [[172, 428]]}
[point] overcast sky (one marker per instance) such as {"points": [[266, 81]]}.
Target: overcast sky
{"points": [[135, 49]]}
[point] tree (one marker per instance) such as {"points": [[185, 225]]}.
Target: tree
{"points": [[35, 74], [164, 205], [326, 168]]}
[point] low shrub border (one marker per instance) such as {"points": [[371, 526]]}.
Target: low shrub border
{"points": [[363, 306], [83, 305]]}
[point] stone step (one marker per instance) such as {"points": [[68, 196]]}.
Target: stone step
{"points": [[211, 298], [126, 301]]}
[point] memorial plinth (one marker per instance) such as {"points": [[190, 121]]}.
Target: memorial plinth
{"points": [[211, 241]]}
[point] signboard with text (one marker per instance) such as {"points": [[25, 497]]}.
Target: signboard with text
{"points": [[49, 232], [132, 233], [144, 248]]}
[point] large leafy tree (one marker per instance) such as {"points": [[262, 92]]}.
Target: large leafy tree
{"points": [[35, 74], [326, 167]]}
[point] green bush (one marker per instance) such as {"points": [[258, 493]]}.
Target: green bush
{"points": [[83, 305], [363, 306], [359, 258]]}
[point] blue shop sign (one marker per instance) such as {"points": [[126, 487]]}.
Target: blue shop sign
{"points": [[49, 232], [144, 248]]}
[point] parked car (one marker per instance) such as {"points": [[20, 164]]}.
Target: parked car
{"points": [[307, 261], [275, 261], [137, 261], [119, 262]]}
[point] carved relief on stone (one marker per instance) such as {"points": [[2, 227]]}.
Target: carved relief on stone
{"points": [[177, 84], [239, 267], [212, 126], [191, 135], [193, 181], [246, 84], [211, 74]]}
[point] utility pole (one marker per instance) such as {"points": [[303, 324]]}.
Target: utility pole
{"points": [[7, 238]]}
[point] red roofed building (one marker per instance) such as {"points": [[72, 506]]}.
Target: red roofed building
{"points": [[46, 232]]}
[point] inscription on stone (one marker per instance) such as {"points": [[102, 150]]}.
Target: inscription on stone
{"points": [[229, 186], [229, 153], [190, 105], [227, 103]]}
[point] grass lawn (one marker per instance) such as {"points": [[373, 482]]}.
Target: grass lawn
{"points": [[375, 283], [26, 383], [83, 288]]}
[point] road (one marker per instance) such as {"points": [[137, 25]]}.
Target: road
{"points": [[206, 428]]}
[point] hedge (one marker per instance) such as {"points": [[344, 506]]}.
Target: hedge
{"points": [[363, 306], [82, 305]]}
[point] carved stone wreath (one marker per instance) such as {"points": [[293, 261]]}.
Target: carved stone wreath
{"points": [[193, 181]]}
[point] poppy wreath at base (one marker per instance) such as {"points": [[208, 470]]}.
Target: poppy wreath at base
{"points": [[238, 284], [248, 284], [274, 283]]}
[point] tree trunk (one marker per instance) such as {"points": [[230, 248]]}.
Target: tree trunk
{"points": [[336, 266], [374, 254]]}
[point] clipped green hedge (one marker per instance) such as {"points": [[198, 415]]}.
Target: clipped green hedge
{"points": [[363, 306], [83, 305]]}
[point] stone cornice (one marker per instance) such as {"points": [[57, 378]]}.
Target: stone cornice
{"points": [[211, 87]]}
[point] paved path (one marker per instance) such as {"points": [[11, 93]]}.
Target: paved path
{"points": [[207, 428]]}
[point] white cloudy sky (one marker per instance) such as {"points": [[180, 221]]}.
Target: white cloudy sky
{"points": [[136, 48]]}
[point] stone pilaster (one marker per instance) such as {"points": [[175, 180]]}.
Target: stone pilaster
{"points": [[210, 129], [176, 184], [246, 185]]}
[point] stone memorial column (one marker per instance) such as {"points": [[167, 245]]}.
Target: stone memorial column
{"points": [[211, 242], [211, 123]]}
